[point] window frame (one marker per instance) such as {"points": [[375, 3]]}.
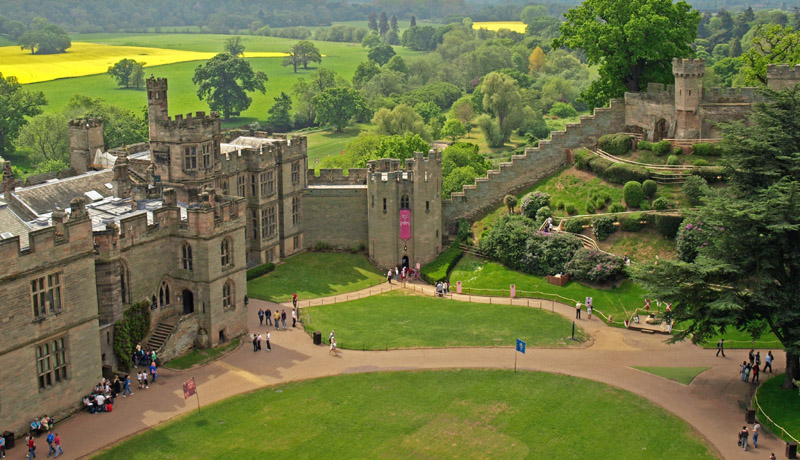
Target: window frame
{"points": [[190, 157], [46, 294], [187, 262], [52, 362]]}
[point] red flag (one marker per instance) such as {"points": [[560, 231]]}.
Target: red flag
{"points": [[189, 389], [647, 304], [669, 306]]}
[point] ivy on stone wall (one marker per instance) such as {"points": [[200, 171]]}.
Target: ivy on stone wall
{"points": [[130, 330]]}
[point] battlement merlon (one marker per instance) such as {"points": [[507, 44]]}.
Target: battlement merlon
{"points": [[156, 83], [782, 76], [86, 123], [354, 176], [682, 68], [199, 120]]}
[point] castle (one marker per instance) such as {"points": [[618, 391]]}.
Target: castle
{"points": [[177, 220]]}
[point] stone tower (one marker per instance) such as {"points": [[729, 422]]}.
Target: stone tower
{"points": [[85, 138], [688, 93], [404, 210], [782, 76], [157, 108]]}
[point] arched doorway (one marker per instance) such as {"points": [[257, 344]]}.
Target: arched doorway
{"points": [[405, 262], [188, 301], [661, 130]]}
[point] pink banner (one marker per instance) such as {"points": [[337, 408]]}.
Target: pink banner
{"points": [[405, 224], [513, 290], [458, 287]]}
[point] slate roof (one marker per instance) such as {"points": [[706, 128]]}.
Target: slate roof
{"points": [[12, 223], [46, 197]]}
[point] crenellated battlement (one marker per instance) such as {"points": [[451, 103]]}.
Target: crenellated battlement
{"points": [[84, 123], [683, 68], [730, 95], [782, 76], [189, 121], [354, 176]]}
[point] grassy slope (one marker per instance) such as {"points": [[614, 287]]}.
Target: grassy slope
{"points": [[435, 414], [682, 375], [340, 57], [315, 275], [781, 406], [6, 42], [399, 320], [482, 277]]}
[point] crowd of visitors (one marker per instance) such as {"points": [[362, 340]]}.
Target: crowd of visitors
{"points": [[752, 365]]}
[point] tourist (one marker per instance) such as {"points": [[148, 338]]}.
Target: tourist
{"points": [[756, 432], [50, 438], [389, 276], [439, 288], [2, 446], [768, 361], [258, 342], [269, 348], [720, 348], [140, 379], [742, 369], [578, 310], [127, 388], [268, 316], [333, 347], [758, 358], [747, 369], [255, 346], [751, 357], [144, 379], [153, 370], [277, 319], [36, 427], [744, 435], [283, 318], [331, 337], [589, 309], [100, 402], [57, 442], [260, 317], [47, 423], [755, 374], [446, 287], [294, 299], [31, 444], [773, 457], [116, 388], [397, 273], [294, 318]]}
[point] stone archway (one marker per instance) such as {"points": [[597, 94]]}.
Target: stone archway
{"points": [[405, 262], [188, 301], [661, 130]]}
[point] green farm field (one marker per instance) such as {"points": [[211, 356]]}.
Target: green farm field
{"points": [[467, 414]]}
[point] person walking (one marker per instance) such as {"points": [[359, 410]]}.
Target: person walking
{"points": [[294, 318], [751, 356], [31, 444], [260, 317], [768, 361], [331, 337], [333, 347], [742, 368], [756, 432], [50, 438], [578, 310], [144, 379], [283, 318], [57, 442], [755, 373], [255, 346], [294, 299], [258, 341], [747, 369], [744, 434], [389, 276], [127, 386], [269, 348], [758, 358], [153, 371], [589, 309], [720, 347], [773, 457], [268, 317]]}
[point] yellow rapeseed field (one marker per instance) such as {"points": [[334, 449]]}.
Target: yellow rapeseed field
{"points": [[516, 26], [90, 58]]}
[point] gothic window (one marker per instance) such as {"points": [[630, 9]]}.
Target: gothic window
{"points": [[254, 222], [264, 185], [404, 202], [267, 183], [163, 294], [51, 362], [124, 282], [207, 156], [190, 158], [186, 257], [227, 295], [268, 222], [241, 186], [225, 252], [46, 294], [295, 211], [295, 172]]}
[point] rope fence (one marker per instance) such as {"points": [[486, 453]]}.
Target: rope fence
{"points": [[773, 426]]}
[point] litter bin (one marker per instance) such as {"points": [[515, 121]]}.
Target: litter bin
{"points": [[9, 439], [317, 338], [791, 449], [750, 415]]}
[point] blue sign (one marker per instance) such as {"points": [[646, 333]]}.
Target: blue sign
{"points": [[520, 346]]}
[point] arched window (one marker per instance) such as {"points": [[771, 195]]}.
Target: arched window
{"points": [[404, 202], [225, 252], [186, 256], [125, 281], [163, 294], [227, 295]]}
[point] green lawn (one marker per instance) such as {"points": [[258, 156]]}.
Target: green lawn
{"points": [[781, 406], [340, 57], [315, 274], [683, 375], [400, 320], [200, 356], [469, 414], [743, 340], [330, 142], [482, 277]]}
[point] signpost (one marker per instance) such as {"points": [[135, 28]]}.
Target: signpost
{"points": [[189, 390], [521, 349]]}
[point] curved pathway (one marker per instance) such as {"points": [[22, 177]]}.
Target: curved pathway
{"points": [[712, 404]]}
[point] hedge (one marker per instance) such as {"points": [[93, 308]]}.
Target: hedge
{"points": [[602, 226], [673, 160], [644, 145], [440, 268], [660, 203], [619, 173], [706, 149], [615, 144], [661, 148], [255, 272], [631, 223], [575, 225], [668, 224]]}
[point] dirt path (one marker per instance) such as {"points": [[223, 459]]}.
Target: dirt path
{"points": [[711, 404]]}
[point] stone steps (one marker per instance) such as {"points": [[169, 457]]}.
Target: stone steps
{"points": [[160, 335]]}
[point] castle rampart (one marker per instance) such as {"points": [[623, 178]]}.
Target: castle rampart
{"points": [[782, 76]]}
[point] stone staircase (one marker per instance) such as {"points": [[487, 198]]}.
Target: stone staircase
{"points": [[161, 333]]}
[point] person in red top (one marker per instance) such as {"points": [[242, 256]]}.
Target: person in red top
{"points": [[31, 447], [57, 443], [294, 299]]}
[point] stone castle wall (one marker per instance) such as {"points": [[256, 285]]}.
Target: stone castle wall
{"points": [[335, 208]]}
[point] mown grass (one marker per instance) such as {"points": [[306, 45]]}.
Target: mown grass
{"points": [[398, 319], [330, 142], [781, 406], [743, 340], [682, 375], [315, 274], [201, 356], [482, 277], [467, 414]]}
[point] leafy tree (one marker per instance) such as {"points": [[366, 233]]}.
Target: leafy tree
{"points": [[531, 12], [393, 23], [413, 21], [120, 126], [455, 181], [128, 73], [536, 60], [453, 129], [381, 54], [234, 46], [421, 38], [364, 73], [292, 59], [392, 37], [279, 117], [463, 112], [771, 44], [44, 38], [15, 105], [371, 40], [491, 130], [501, 97], [224, 82], [510, 201], [746, 275], [372, 22], [47, 137], [307, 52], [383, 24], [304, 90], [400, 120], [14, 29], [337, 106], [401, 147], [632, 41], [398, 64]]}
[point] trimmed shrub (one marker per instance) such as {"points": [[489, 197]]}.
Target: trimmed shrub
{"points": [[668, 224], [661, 148], [706, 149], [649, 187], [562, 110], [543, 213], [660, 203], [619, 173], [440, 268], [505, 241], [695, 188], [532, 202], [615, 144], [700, 162], [644, 205], [644, 145], [260, 270], [673, 160], [616, 207], [677, 151], [590, 207], [596, 266], [599, 166], [580, 157], [602, 226], [574, 225], [630, 223], [548, 253], [599, 203], [633, 194], [571, 209]]}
